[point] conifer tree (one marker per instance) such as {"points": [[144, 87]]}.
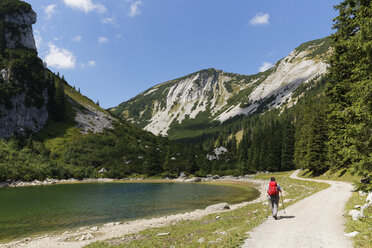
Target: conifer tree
{"points": [[59, 109], [350, 90]]}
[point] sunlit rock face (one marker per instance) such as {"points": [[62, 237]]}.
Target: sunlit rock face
{"points": [[211, 95]]}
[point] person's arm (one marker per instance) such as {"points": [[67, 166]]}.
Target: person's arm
{"points": [[280, 189]]}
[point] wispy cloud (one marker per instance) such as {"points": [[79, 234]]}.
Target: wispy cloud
{"points": [[265, 66], [38, 39], [85, 5], [60, 58], [260, 19], [111, 21], [50, 10], [135, 8], [108, 20], [102, 40], [77, 38], [90, 63]]}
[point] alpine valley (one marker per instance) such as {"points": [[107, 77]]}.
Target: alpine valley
{"points": [[311, 110]]}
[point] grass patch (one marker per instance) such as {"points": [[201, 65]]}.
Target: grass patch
{"points": [[227, 229], [363, 226], [340, 175], [56, 134]]}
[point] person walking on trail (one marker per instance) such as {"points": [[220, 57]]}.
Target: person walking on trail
{"points": [[273, 194]]}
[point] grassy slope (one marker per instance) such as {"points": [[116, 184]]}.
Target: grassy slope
{"points": [[340, 175], [56, 134], [227, 230]]}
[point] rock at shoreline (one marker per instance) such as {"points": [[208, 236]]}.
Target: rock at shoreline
{"points": [[194, 180], [217, 207]]}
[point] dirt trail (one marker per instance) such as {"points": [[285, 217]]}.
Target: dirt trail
{"points": [[316, 221]]}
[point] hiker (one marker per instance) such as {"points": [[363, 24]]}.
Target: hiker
{"points": [[273, 194]]}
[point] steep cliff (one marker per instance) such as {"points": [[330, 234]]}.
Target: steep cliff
{"points": [[16, 18], [28, 94], [23, 85]]}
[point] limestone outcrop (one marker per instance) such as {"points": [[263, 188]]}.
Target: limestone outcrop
{"points": [[22, 119], [18, 29]]}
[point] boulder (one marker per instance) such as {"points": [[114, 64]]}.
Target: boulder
{"points": [[352, 234], [355, 214], [163, 234], [365, 206], [194, 180], [361, 193], [369, 198], [182, 175], [217, 207], [94, 229], [201, 240]]}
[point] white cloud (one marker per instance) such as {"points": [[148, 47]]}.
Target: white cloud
{"points": [[60, 58], [50, 10], [135, 8], [77, 38], [102, 40], [38, 39], [260, 19], [108, 20], [90, 63], [119, 36], [86, 5], [265, 66]]}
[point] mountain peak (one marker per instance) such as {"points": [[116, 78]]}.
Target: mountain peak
{"points": [[208, 96], [18, 17]]}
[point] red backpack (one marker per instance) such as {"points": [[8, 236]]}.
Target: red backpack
{"points": [[273, 189]]}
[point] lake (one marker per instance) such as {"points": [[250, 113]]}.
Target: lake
{"points": [[25, 211]]}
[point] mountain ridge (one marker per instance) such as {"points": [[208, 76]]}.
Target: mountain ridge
{"points": [[216, 96]]}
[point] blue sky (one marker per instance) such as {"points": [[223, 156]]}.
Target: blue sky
{"points": [[114, 49]]}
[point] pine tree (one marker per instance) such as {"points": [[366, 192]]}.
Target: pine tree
{"points": [[287, 152], [350, 90], [59, 109]]}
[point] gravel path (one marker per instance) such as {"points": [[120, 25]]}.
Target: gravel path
{"points": [[316, 221]]}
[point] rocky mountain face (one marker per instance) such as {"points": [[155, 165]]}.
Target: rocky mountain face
{"points": [[27, 87], [18, 29], [21, 119], [23, 106], [212, 95]]}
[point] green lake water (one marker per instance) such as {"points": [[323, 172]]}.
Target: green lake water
{"points": [[27, 211]]}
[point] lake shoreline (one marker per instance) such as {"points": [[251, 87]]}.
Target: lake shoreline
{"points": [[48, 181], [88, 234]]}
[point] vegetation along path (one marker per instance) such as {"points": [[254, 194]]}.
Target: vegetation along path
{"points": [[316, 221]]}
